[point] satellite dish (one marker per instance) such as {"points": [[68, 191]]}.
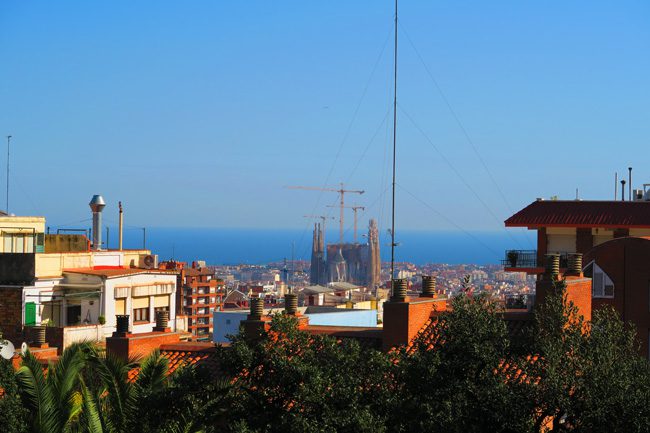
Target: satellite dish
{"points": [[7, 349], [23, 348]]}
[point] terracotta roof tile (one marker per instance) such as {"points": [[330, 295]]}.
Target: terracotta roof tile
{"points": [[185, 354], [556, 213]]}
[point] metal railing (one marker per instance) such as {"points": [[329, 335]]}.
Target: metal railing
{"points": [[528, 259]]}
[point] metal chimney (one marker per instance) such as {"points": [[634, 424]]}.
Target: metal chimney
{"points": [[97, 204]]}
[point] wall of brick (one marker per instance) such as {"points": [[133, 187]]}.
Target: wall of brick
{"points": [[578, 291], [139, 345], [11, 314], [626, 262], [403, 320]]}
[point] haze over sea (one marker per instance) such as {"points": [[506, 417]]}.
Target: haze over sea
{"points": [[260, 246]]}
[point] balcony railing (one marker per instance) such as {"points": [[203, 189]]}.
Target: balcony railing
{"points": [[528, 259]]}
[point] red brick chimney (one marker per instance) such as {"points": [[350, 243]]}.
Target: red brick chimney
{"points": [[404, 317], [254, 325], [578, 287], [127, 346]]}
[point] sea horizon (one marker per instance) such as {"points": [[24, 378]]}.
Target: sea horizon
{"points": [[260, 246]]}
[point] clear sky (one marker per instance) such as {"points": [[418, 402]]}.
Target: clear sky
{"points": [[200, 113]]}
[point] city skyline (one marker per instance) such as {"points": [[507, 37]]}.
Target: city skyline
{"points": [[212, 103]]}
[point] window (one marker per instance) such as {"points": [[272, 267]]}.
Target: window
{"points": [[141, 314], [157, 309], [120, 306], [602, 285]]}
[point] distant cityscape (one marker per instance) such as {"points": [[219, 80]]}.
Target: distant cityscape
{"points": [[275, 277]]}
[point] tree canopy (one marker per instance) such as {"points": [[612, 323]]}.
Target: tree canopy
{"points": [[568, 375]]}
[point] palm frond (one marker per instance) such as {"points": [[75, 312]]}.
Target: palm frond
{"points": [[63, 379], [153, 372], [91, 413], [117, 394], [37, 395]]}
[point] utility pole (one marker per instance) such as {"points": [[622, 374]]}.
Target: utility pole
{"points": [[8, 142]]}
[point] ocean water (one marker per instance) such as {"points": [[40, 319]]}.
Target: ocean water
{"points": [[260, 246]]}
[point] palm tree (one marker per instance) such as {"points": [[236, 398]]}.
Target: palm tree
{"points": [[88, 390], [55, 401]]}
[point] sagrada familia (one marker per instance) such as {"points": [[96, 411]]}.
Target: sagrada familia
{"points": [[354, 263]]}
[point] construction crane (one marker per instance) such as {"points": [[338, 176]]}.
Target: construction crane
{"points": [[341, 192], [354, 209], [322, 217]]}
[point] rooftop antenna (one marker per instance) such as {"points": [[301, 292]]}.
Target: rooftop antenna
{"points": [[629, 184], [293, 264], [392, 226], [615, 185], [8, 142]]}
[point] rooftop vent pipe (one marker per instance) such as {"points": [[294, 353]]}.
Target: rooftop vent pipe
{"points": [[623, 190], [399, 290], [291, 303], [97, 205], [122, 323], [575, 264], [257, 309], [552, 266], [162, 319], [428, 286]]}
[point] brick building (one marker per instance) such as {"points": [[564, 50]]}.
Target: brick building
{"points": [[621, 278], [613, 236], [574, 226], [202, 294]]}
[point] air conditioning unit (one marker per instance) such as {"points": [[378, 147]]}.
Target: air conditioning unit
{"points": [[150, 261], [637, 194]]}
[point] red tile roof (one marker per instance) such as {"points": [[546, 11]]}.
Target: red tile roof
{"points": [[555, 213], [186, 354], [426, 338], [193, 272]]}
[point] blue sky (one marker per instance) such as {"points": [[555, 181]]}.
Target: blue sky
{"points": [[197, 114]]}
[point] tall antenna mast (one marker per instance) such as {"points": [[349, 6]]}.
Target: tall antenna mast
{"points": [[392, 229], [8, 141]]}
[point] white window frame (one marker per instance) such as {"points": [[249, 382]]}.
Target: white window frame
{"points": [[600, 281]]}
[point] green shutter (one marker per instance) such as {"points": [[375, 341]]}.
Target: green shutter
{"points": [[30, 314]]}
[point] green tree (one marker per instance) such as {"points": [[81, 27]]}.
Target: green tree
{"points": [[292, 381], [457, 382], [87, 390], [55, 401], [13, 415], [590, 375]]}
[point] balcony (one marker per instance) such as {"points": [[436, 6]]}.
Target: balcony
{"points": [[526, 261]]}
